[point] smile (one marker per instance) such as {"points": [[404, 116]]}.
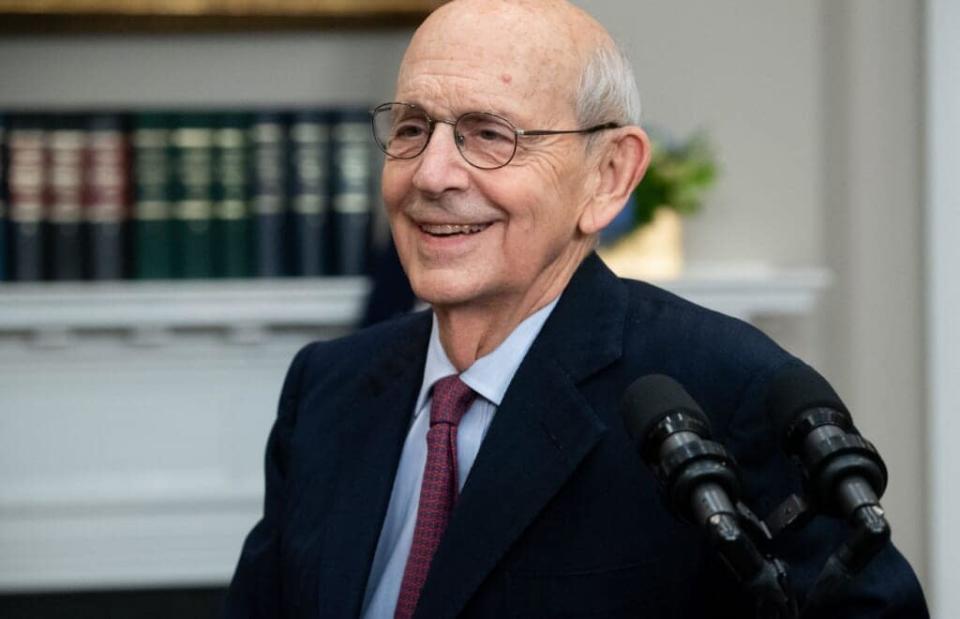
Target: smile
{"points": [[452, 229]]}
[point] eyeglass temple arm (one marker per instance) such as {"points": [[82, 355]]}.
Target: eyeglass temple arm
{"points": [[595, 128]]}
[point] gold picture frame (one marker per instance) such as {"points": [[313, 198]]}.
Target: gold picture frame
{"points": [[39, 16]]}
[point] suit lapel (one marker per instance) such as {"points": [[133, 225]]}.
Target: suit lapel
{"points": [[364, 451], [542, 430]]}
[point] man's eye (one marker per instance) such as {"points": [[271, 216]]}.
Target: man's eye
{"points": [[409, 131], [493, 134]]}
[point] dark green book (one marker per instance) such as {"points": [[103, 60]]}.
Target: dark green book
{"points": [[153, 203], [352, 195], [268, 147], [192, 158], [308, 193], [231, 212]]}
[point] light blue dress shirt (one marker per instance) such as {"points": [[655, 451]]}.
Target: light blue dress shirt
{"points": [[489, 377]]}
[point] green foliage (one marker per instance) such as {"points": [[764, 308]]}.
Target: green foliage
{"points": [[678, 177]]}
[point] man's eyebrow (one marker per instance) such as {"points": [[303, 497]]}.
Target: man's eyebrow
{"points": [[426, 107], [457, 112]]}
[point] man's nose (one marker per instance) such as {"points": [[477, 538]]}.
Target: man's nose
{"points": [[441, 167]]}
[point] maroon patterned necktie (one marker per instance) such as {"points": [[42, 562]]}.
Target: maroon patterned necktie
{"points": [[439, 490]]}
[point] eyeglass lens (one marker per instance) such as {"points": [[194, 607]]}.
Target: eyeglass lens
{"points": [[484, 140]]}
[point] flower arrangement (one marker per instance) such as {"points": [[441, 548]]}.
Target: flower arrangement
{"points": [[679, 176], [645, 240]]}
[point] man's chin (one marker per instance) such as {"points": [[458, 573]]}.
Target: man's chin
{"points": [[447, 290]]}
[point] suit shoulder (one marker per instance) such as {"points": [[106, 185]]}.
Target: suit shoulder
{"points": [[701, 340]]}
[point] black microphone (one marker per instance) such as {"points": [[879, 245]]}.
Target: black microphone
{"points": [[671, 433], [700, 481], [843, 471], [844, 475]]}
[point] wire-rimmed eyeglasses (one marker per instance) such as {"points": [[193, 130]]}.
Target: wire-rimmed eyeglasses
{"points": [[486, 141]]}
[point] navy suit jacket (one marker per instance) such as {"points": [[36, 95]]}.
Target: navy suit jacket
{"points": [[558, 517]]}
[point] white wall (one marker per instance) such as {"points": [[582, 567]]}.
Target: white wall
{"points": [[204, 69], [748, 73]]}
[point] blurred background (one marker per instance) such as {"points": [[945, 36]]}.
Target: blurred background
{"points": [[134, 407]]}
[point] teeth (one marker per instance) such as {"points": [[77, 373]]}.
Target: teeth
{"points": [[450, 229]]}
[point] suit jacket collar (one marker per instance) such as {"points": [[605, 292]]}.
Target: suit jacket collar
{"points": [[585, 332], [542, 430], [360, 459]]}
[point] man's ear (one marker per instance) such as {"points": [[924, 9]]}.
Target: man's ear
{"points": [[622, 164]]}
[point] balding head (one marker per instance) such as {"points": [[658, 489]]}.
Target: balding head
{"points": [[572, 56]]}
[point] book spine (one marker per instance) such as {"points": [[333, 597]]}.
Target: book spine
{"points": [[152, 214], [231, 212], [106, 197], [309, 193], [192, 140], [65, 164], [3, 199], [27, 190], [269, 199], [352, 195]]}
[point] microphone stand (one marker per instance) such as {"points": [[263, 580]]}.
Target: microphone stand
{"points": [[870, 534], [845, 477], [763, 578]]}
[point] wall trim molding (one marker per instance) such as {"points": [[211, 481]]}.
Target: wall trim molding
{"points": [[943, 299]]}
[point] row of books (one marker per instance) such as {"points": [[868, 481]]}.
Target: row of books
{"points": [[185, 195]]}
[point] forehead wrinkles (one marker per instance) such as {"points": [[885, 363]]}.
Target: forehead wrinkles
{"points": [[443, 92], [519, 70]]}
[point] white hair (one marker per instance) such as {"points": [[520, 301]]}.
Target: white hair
{"points": [[607, 91]]}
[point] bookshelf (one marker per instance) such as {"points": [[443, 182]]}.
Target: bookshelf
{"points": [[133, 415]]}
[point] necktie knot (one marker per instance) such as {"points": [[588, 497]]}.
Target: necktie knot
{"points": [[451, 399]]}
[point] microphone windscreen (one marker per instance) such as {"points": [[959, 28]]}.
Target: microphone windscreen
{"points": [[798, 389], [651, 398]]}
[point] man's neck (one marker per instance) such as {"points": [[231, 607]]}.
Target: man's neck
{"points": [[471, 331]]}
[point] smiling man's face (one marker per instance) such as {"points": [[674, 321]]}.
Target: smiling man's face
{"points": [[499, 238]]}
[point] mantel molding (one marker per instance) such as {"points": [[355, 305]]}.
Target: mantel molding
{"points": [[744, 291]]}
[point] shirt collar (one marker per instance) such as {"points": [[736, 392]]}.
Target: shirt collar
{"points": [[490, 375]]}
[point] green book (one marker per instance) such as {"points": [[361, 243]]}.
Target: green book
{"points": [[268, 181], [352, 182], [308, 189], [192, 157], [153, 207], [231, 209]]}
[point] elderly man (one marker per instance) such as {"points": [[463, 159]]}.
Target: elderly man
{"points": [[469, 461]]}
